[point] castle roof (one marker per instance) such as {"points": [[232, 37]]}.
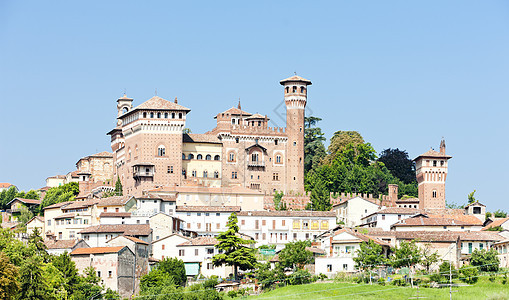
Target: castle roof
{"points": [[236, 111], [200, 138], [295, 78], [160, 103], [256, 116], [433, 154]]}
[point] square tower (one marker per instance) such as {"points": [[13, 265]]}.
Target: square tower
{"points": [[431, 172]]}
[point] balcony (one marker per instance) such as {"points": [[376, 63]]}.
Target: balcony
{"points": [[256, 164], [143, 174], [143, 170]]}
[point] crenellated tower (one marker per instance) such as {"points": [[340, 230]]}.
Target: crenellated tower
{"points": [[295, 91]]}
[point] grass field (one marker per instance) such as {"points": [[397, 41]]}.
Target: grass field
{"points": [[484, 289]]}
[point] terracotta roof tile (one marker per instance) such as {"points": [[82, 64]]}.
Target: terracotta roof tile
{"points": [[295, 78], [433, 154], [60, 244], [5, 185], [114, 201], [57, 205], [97, 250], [136, 229], [236, 111], [133, 239], [438, 236], [209, 208], [80, 204], [496, 223], [163, 238], [26, 201], [63, 216], [200, 241], [473, 220], [115, 215], [423, 221], [160, 103], [289, 213], [361, 236]]}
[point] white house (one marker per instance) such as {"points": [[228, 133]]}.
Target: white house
{"points": [[97, 236], [57, 247], [351, 211], [167, 246], [387, 217], [340, 248], [206, 220], [197, 255], [280, 227], [425, 223]]}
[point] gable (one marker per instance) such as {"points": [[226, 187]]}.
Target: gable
{"points": [[345, 236]]}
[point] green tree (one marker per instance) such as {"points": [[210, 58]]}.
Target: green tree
{"points": [[25, 215], [234, 250], [32, 195], [471, 198], [32, 281], [8, 278], [399, 164], [369, 256], [174, 268], [268, 277], [67, 268], [407, 254], [500, 214], [277, 198], [340, 140], [36, 242], [428, 257], [320, 197], [314, 150], [118, 187], [59, 194], [469, 274], [485, 260], [295, 255], [9, 195], [89, 285]]}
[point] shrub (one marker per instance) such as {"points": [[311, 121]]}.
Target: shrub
{"points": [[469, 274], [232, 294], [300, 277], [436, 277], [486, 261], [381, 281]]}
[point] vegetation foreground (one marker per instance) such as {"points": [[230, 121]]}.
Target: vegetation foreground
{"points": [[484, 289]]}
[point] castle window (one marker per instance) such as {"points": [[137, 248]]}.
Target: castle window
{"points": [[125, 109], [259, 123], [434, 163], [275, 142], [287, 89], [199, 156], [231, 157], [302, 89], [193, 173], [434, 194], [233, 121], [295, 143], [254, 157], [294, 89], [234, 175], [144, 115], [208, 157], [237, 140], [205, 174], [180, 115], [170, 169], [159, 115], [190, 156], [217, 157], [275, 176], [278, 159], [183, 156], [151, 115], [441, 163], [166, 115], [216, 174], [173, 115], [161, 151]]}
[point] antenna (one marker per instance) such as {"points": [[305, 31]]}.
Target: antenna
{"points": [[155, 92]]}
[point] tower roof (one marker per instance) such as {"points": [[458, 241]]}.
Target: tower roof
{"points": [[160, 103], [236, 111], [433, 154], [124, 98], [295, 78]]}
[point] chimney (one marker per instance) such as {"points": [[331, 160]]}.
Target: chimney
{"points": [[442, 146]]}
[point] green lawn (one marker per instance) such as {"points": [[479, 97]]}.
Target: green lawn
{"points": [[484, 289]]}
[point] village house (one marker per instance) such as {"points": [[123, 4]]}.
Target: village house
{"points": [[206, 220], [99, 235], [61, 246], [5, 186], [351, 211], [495, 223], [426, 223], [35, 222], [502, 248], [166, 247], [389, 216], [114, 265], [280, 227], [17, 204]]}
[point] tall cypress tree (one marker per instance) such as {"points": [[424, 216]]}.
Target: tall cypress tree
{"points": [[118, 187]]}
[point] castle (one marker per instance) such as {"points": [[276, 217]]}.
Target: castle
{"points": [[151, 148]]}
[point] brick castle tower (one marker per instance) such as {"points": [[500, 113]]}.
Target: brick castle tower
{"points": [[295, 89], [431, 172]]}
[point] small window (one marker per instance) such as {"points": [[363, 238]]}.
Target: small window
{"points": [[205, 174], [218, 214], [199, 156], [275, 142], [190, 156], [234, 175], [294, 89], [170, 169], [151, 115], [434, 163], [161, 151], [217, 157], [159, 115], [196, 252], [180, 115], [207, 214], [441, 163], [173, 115], [237, 140], [110, 274], [216, 174], [295, 143], [231, 156], [329, 268], [198, 214], [434, 194], [193, 173], [98, 273], [302, 89], [144, 115], [181, 252], [166, 115]]}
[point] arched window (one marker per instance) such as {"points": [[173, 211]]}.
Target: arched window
{"points": [[166, 115], [129, 153], [233, 121], [191, 156], [302, 89], [434, 193], [216, 174], [199, 156], [287, 89], [173, 115], [434, 163], [193, 173], [145, 115], [205, 174], [208, 157], [125, 109], [231, 156], [254, 156], [278, 159], [151, 115], [159, 115], [217, 157], [180, 115], [161, 151], [294, 89], [183, 156]]}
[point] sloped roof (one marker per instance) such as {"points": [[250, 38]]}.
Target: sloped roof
{"points": [[57, 205], [200, 241], [295, 78], [422, 221], [97, 250], [288, 213], [160, 103], [209, 208], [496, 223], [475, 203], [102, 154], [256, 116], [114, 201], [179, 235], [126, 229], [473, 220], [26, 201], [133, 239], [200, 138], [5, 185], [433, 154], [438, 236], [60, 244], [115, 215], [236, 111], [360, 236], [80, 204]]}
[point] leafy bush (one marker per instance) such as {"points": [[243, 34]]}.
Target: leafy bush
{"points": [[381, 281], [300, 277], [486, 261], [436, 277], [469, 274], [444, 269]]}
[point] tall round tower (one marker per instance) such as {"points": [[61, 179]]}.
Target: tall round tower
{"points": [[295, 89]]}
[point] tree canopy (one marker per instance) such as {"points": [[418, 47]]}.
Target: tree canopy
{"points": [[235, 251], [369, 256], [398, 163], [314, 150], [295, 255], [59, 194]]}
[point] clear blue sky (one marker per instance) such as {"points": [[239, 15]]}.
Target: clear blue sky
{"points": [[402, 73]]}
